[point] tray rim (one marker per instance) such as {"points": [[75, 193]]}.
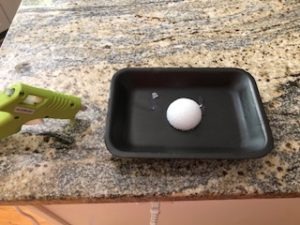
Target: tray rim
{"points": [[155, 155]]}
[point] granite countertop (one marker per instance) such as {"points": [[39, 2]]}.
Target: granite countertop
{"points": [[77, 46]]}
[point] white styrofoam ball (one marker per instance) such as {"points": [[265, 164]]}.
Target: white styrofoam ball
{"points": [[184, 114]]}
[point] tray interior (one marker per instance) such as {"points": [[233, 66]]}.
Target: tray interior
{"points": [[232, 125]]}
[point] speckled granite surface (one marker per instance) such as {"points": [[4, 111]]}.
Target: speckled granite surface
{"points": [[76, 47]]}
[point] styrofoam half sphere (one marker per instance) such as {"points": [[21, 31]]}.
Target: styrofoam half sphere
{"points": [[184, 114]]}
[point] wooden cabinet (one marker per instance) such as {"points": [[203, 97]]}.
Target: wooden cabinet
{"points": [[226, 212]]}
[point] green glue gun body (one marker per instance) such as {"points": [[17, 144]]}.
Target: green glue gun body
{"points": [[21, 103]]}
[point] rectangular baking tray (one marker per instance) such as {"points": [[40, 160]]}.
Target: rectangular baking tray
{"points": [[234, 124]]}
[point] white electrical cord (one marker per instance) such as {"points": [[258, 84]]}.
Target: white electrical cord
{"points": [[154, 213], [31, 218]]}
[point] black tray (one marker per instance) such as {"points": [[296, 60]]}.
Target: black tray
{"points": [[234, 125]]}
